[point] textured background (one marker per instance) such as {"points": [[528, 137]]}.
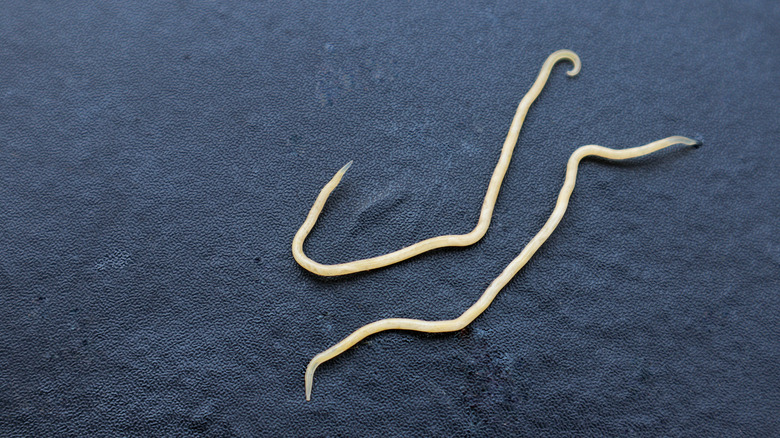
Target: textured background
{"points": [[156, 159]]}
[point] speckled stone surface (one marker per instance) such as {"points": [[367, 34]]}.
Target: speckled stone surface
{"points": [[156, 159]]}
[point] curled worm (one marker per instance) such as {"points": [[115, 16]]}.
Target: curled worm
{"points": [[509, 272], [432, 243]]}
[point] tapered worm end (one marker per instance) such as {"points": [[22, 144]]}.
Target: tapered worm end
{"points": [[337, 177], [346, 167], [684, 140], [310, 378]]}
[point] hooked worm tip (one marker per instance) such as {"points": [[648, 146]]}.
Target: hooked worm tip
{"points": [[576, 65]]}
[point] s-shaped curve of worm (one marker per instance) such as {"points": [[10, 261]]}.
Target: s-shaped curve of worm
{"points": [[432, 243], [509, 272]]}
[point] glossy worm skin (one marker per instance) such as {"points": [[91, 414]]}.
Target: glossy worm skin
{"points": [[509, 272], [426, 245]]}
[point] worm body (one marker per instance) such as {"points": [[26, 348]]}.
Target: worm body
{"points": [[426, 245], [509, 272]]}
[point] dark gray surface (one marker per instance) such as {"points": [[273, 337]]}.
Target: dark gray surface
{"points": [[156, 159]]}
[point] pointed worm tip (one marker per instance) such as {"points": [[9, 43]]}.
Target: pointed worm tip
{"points": [[337, 177]]}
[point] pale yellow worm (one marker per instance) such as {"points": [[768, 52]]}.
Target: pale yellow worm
{"points": [[509, 272], [432, 243]]}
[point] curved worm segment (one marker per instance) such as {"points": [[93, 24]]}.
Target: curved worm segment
{"points": [[509, 272], [426, 245]]}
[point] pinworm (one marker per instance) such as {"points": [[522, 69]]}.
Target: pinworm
{"points": [[432, 243], [509, 272]]}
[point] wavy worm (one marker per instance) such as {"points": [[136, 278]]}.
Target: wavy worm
{"points": [[432, 243], [509, 272]]}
